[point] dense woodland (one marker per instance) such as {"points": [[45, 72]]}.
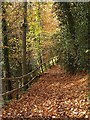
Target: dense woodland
{"points": [[27, 33], [73, 38], [34, 32]]}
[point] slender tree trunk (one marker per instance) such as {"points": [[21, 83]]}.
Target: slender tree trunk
{"points": [[24, 41], [39, 38], [6, 50]]}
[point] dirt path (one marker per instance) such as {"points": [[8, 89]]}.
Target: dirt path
{"points": [[57, 95]]}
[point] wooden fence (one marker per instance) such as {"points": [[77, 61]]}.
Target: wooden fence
{"points": [[17, 83]]}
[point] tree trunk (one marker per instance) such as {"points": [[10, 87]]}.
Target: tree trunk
{"points": [[24, 42], [6, 50], [39, 38], [71, 24]]}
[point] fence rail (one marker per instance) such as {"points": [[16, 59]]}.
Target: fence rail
{"points": [[17, 82]]}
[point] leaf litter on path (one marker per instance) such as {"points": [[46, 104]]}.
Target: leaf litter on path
{"points": [[56, 94]]}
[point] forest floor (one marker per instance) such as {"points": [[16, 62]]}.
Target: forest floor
{"points": [[56, 94]]}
